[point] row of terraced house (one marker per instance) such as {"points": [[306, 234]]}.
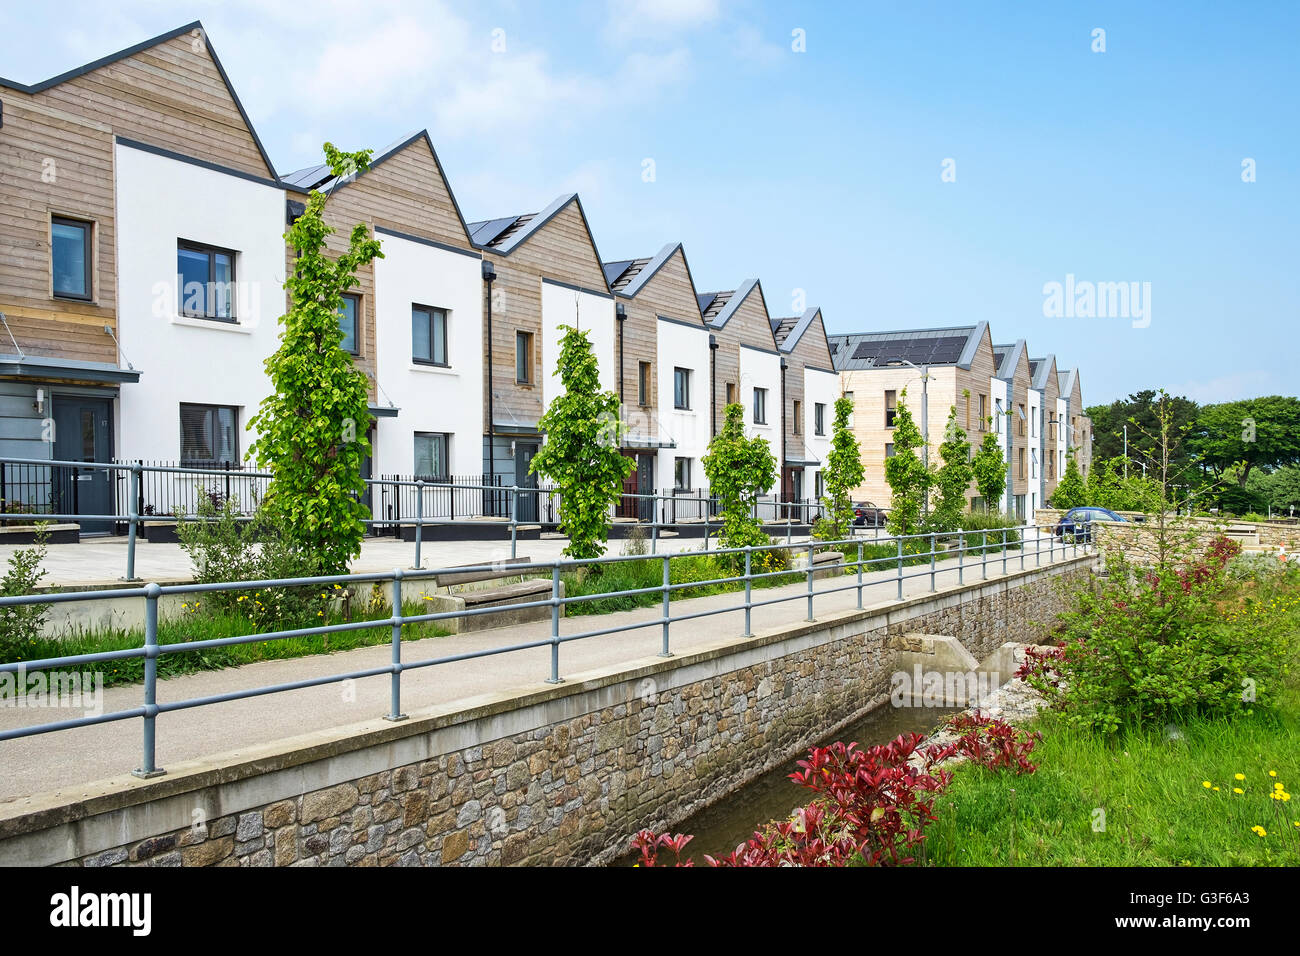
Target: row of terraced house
{"points": [[142, 264]]}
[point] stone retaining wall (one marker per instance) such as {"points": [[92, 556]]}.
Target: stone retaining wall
{"points": [[562, 775], [1271, 534]]}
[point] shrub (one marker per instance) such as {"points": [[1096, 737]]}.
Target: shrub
{"points": [[23, 624], [1162, 643]]}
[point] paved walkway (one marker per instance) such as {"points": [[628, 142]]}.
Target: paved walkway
{"points": [[76, 757]]}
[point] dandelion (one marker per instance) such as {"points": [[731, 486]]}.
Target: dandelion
{"points": [[1206, 784], [1260, 830], [1238, 790], [1239, 776], [1272, 773]]}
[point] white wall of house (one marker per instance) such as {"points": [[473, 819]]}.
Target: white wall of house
{"points": [[681, 346], [822, 388], [431, 399], [191, 360], [1062, 435], [1035, 466], [760, 369], [999, 395], [588, 311]]}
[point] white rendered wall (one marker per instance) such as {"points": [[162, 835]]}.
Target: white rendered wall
{"points": [[818, 388], [430, 398], [999, 390], [680, 346], [759, 369], [593, 314], [159, 201]]}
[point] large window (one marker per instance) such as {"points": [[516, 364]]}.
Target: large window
{"points": [[891, 407], [731, 393], [819, 420], [1020, 418], [348, 314], [643, 383], [206, 276], [984, 413], [681, 474], [428, 335], [70, 258], [524, 358], [798, 417], [431, 456], [682, 388], [209, 435], [760, 406]]}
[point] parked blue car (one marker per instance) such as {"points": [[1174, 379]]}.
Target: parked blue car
{"points": [[1077, 522]]}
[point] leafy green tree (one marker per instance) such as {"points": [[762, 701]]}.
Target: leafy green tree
{"points": [[909, 480], [990, 468], [843, 473], [1071, 492], [1257, 433], [1140, 411], [312, 428], [1279, 489], [739, 469], [581, 454], [953, 477]]}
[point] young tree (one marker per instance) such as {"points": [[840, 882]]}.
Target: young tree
{"points": [[739, 469], [990, 468], [581, 454], [312, 428], [953, 477], [1071, 491], [909, 481], [843, 473]]}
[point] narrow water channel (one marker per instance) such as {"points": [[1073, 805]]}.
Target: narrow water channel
{"points": [[721, 827]]}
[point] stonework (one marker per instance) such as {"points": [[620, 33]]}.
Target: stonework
{"points": [[659, 748]]}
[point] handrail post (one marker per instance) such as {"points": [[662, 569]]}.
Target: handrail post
{"points": [[419, 520], [395, 681], [859, 575], [810, 581], [899, 539], [514, 521], [749, 551], [666, 593], [1051, 549], [147, 767], [1023, 543], [1004, 551], [984, 555], [934, 550], [961, 557], [654, 524], [131, 533], [555, 625]]}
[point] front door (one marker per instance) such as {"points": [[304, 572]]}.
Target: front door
{"points": [[524, 478], [83, 431], [368, 472], [645, 483]]}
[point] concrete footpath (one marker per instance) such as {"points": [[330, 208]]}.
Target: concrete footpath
{"points": [[68, 760]]}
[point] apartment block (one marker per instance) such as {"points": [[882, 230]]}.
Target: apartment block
{"points": [[1043, 380], [810, 387]]}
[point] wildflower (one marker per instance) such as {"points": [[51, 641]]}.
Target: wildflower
{"points": [[1260, 830], [1206, 784], [1272, 773], [1239, 776], [1277, 786], [1238, 790]]}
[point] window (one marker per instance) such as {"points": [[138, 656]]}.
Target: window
{"points": [[1033, 463], [798, 417], [208, 435], [819, 486], [760, 406], [643, 383], [889, 449], [681, 474], [681, 388], [348, 313], [984, 412], [997, 415], [731, 393], [524, 358], [1020, 463], [891, 407], [1033, 424], [1020, 419], [431, 456], [428, 335], [70, 258], [206, 281], [819, 422]]}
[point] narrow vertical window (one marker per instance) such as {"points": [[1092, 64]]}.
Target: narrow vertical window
{"points": [[70, 258]]}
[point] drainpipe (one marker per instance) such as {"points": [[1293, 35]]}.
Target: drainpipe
{"points": [[489, 276], [620, 313], [713, 386]]}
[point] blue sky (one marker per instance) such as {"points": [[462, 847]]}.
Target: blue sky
{"points": [[821, 170]]}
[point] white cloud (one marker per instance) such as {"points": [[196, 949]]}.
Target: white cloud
{"points": [[638, 19]]}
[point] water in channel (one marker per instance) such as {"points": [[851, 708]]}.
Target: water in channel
{"points": [[720, 828]]}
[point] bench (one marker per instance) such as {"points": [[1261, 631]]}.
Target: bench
{"points": [[455, 590], [826, 564]]}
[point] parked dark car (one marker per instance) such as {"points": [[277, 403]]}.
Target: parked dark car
{"points": [[1077, 522], [867, 515]]}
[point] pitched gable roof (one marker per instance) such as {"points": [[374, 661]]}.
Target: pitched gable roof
{"points": [[1040, 369], [196, 27], [1008, 358], [956, 345], [723, 305], [503, 236], [789, 330]]}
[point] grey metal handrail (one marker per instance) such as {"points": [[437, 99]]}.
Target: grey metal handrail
{"points": [[151, 650]]}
